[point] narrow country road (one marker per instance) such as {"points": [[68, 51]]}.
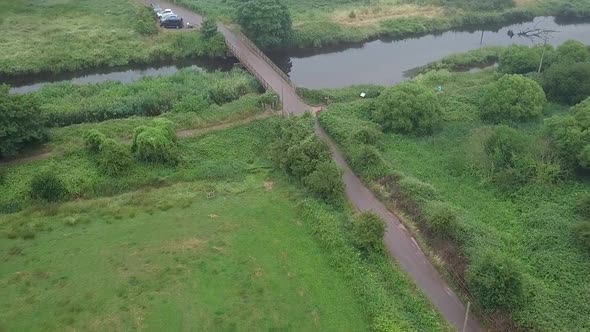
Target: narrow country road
{"points": [[398, 240]]}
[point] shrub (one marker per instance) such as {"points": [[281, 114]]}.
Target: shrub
{"points": [[267, 22], [496, 282], [352, 14], [369, 162], [21, 122], [114, 158], [368, 230], [209, 28], [583, 205], [567, 83], [155, 144], [191, 104], [167, 127], [408, 108], [303, 158], [47, 186], [413, 189], [145, 23], [367, 135], [570, 135], [325, 181], [572, 51], [519, 59], [513, 98], [93, 139], [581, 232], [441, 218]]}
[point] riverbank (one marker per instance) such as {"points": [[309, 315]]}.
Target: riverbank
{"points": [[47, 38], [326, 22]]}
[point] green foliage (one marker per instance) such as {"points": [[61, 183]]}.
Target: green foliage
{"points": [[113, 158], [21, 122], [93, 139], [567, 83], [519, 59], [408, 108], [155, 144], [368, 162], [266, 22], [570, 135], [48, 186], [513, 98], [145, 22], [496, 282], [209, 28], [67, 104], [572, 51], [368, 135], [441, 219], [581, 233], [368, 230], [583, 205], [325, 181]]}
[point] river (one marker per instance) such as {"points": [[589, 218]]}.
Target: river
{"points": [[383, 62]]}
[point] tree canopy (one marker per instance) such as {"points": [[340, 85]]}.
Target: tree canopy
{"points": [[567, 83], [267, 22], [519, 59]]}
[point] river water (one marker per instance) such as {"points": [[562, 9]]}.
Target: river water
{"points": [[377, 62]]}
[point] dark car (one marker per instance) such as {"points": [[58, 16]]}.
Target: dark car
{"points": [[173, 21]]}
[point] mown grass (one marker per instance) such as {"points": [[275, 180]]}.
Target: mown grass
{"points": [[531, 226], [164, 256], [56, 36], [329, 22]]}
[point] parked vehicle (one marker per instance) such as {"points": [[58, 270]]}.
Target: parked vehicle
{"points": [[165, 12], [173, 21], [157, 9]]}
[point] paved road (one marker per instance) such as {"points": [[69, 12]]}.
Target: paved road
{"points": [[398, 240]]}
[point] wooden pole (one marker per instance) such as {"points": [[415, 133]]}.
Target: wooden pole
{"points": [[543, 55], [466, 316], [481, 39]]}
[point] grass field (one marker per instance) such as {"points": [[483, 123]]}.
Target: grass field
{"points": [[148, 250], [531, 226], [56, 36], [328, 22]]}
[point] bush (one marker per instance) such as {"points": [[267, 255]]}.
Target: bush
{"points": [[93, 139], [408, 108], [167, 127], [47, 186], [21, 123], [513, 98], [572, 51], [191, 104], [368, 230], [113, 158], [145, 22], [367, 135], [518, 59], [441, 219], [583, 205], [369, 162], [570, 135], [267, 22], [326, 181], [209, 28], [155, 144], [413, 189], [496, 283], [581, 232], [567, 83]]}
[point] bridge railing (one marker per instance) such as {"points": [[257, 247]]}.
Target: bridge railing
{"points": [[253, 70], [263, 56]]}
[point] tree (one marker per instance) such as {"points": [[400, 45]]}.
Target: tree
{"points": [[567, 83], [325, 181], [513, 98], [519, 59], [496, 282], [209, 28], [572, 51], [570, 135], [21, 122], [47, 186], [368, 230], [267, 22], [408, 108]]}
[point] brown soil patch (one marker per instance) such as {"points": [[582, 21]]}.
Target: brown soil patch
{"points": [[268, 185], [524, 3], [365, 16]]}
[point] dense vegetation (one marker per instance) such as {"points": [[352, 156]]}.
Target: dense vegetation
{"points": [[504, 206], [57, 36], [267, 22], [195, 230], [326, 22]]}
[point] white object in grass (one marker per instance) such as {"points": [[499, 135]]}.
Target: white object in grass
{"points": [[363, 95]]}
